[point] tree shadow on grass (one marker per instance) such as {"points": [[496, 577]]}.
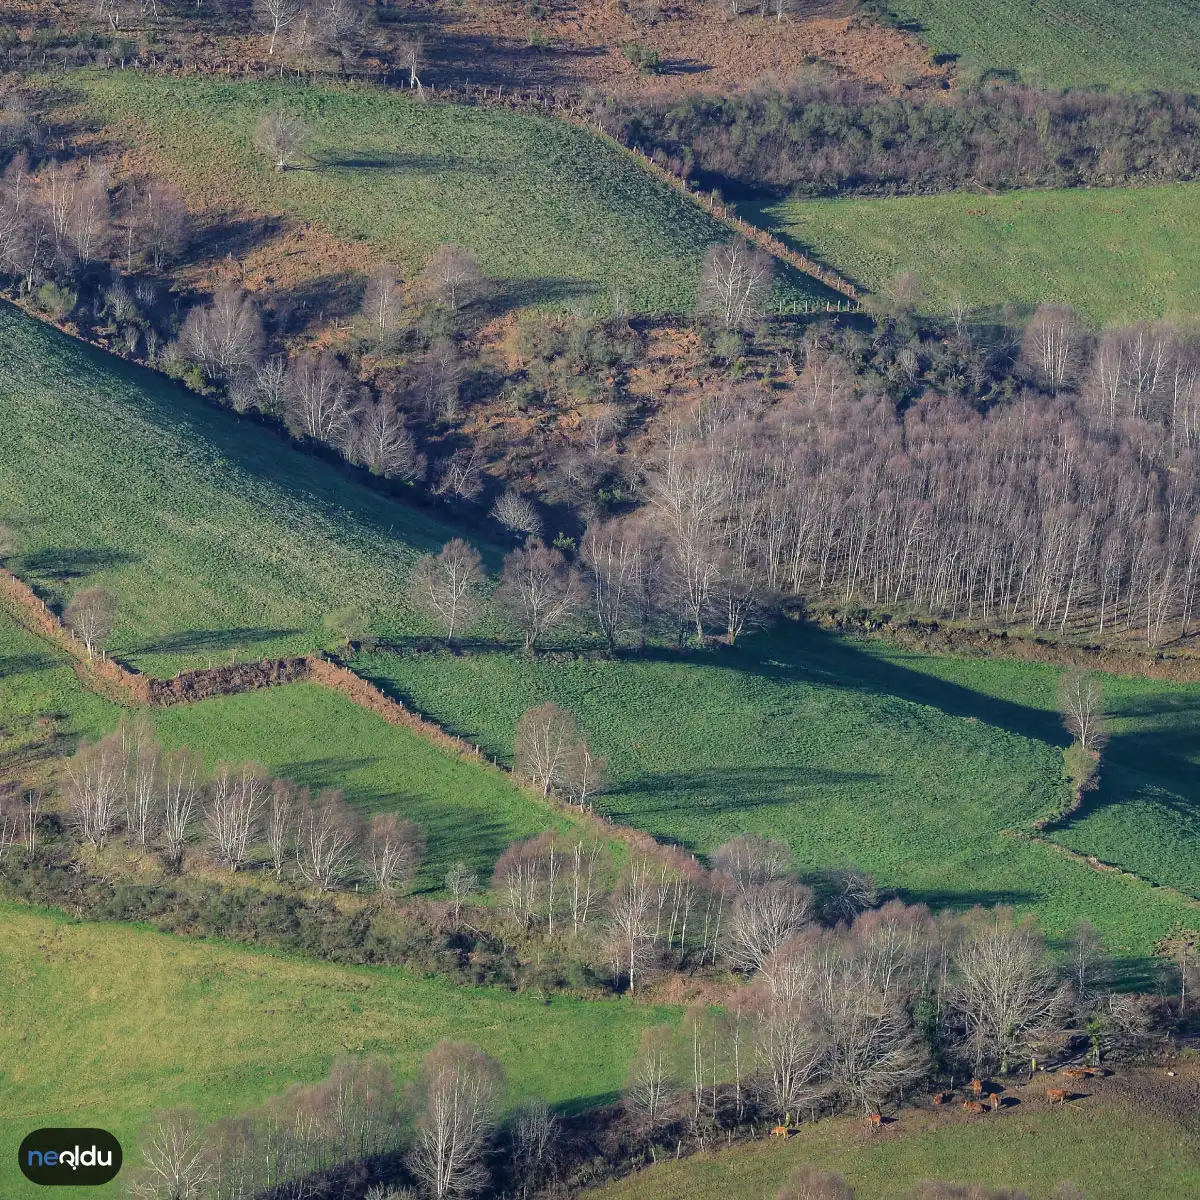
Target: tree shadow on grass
{"points": [[24, 664], [60, 565], [196, 640]]}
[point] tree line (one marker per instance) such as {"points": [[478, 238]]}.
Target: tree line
{"points": [[849, 138], [844, 1019]]}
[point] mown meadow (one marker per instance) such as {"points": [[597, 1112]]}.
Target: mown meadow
{"points": [[1070, 43], [1117, 254], [214, 533], [106, 1025], [1110, 1148], [554, 213]]}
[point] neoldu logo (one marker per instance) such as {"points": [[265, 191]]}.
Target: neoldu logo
{"points": [[79, 1157]]}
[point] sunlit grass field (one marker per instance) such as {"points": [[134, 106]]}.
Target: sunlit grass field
{"points": [[105, 1025], [302, 731], [1117, 254], [1067, 43], [1110, 1148], [919, 769], [554, 214]]}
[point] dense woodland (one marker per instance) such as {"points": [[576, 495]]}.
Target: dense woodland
{"points": [[842, 138]]}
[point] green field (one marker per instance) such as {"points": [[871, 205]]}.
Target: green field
{"points": [[1112, 1149], [103, 1025], [1065, 43], [1118, 255], [913, 767], [216, 537], [554, 213], [302, 732]]}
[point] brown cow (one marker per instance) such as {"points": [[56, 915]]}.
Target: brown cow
{"points": [[995, 1100], [973, 1107], [943, 1098], [1076, 1073], [977, 1086], [1057, 1095], [780, 1131], [874, 1118]]}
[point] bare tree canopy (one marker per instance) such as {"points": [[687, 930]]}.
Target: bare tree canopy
{"points": [[518, 514], [318, 400], [751, 861], [735, 283], [1081, 702], [538, 590], [234, 812], [327, 839], [457, 1092], [280, 135], [395, 850], [546, 738], [225, 336], [90, 616], [447, 587], [451, 276], [382, 301]]}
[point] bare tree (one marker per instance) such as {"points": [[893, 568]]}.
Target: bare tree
{"points": [[278, 15], [751, 861], [142, 782], [318, 400], [583, 775], [546, 738], [1007, 993], [281, 136], [452, 276], [651, 1087], [382, 442], [410, 53], [156, 220], [95, 783], [461, 474], [381, 301], [225, 336], [735, 283], [175, 1166], [461, 882], [280, 829], [457, 1092], [395, 849], [90, 616], [614, 557], [327, 840], [763, 918], [1081, 702], [1052, 344], [447, 588], [538, 590], [517, 514], [630, 932], [533, 1131], [233, 814], [1089, 963], [181, 800]]}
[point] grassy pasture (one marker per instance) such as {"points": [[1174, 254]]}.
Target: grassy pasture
{"points": [[553, 212], [1068, 43], [214, 534], [302, 732], [913, 767], [104, 1025], [1111, 1145], [1118, 255]]}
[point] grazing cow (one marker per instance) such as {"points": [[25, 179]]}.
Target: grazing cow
{"points": [[943, 1098], [973, 1107], [995, 1101], [780, 1131], [874, 1119], [977, 1086], [1057, 1095], [1076, 1073]]}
